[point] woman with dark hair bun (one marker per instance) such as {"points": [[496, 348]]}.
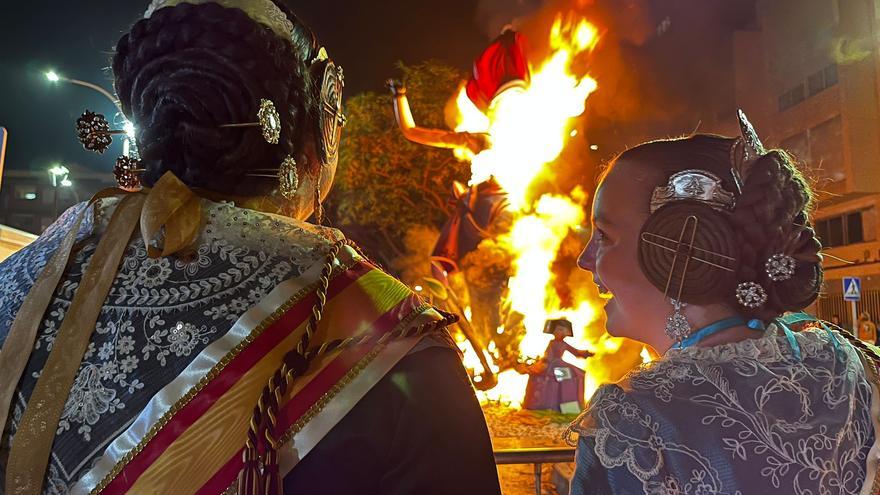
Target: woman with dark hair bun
{"points": [[703, 249], [190, 332]]}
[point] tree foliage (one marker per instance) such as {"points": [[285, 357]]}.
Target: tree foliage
{"points": [[386, 185]]}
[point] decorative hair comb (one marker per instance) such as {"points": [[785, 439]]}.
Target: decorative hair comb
{"points": [[695, 185]]}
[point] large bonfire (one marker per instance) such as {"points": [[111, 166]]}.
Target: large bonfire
{"points": [[529, 128]]}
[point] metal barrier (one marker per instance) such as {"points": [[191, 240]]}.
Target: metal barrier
{"points": [[535, 456]]}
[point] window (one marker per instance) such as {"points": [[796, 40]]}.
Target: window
{"points": [[835, 231], [25, 191], [830, 75], [821, 80], [826, 150], [797, 145], [816, 83], [854, 232], [841, 230], [791, 97]]}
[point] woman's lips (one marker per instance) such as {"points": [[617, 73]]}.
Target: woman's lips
{"points": [[604, 293]]}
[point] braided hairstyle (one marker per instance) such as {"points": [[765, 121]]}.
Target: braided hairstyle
{"points": [[188, 69], [771, 216]]}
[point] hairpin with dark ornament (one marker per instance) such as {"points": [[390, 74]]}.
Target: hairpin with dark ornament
{"points": [[126, 171], [94, 131], [750, 295], [780, 267], [288, 178], [268, 121]]}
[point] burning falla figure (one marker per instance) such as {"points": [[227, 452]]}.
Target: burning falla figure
{"points": [[481, 210], [500, 68]]}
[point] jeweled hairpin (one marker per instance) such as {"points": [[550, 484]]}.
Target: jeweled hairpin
{"points": [[780, 267], [268, 121], [126, 171], [695, 185], [750, 294], [94, 131], [288, 178]]}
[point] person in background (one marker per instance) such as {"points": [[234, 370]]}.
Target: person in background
{"points": [[866, 330]]}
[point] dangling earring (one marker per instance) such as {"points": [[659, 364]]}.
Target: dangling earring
{"points": [[677, 326]]}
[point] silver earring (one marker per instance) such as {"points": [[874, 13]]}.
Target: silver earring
{"points": [[750, 295], [780, 267], [677, 326]]}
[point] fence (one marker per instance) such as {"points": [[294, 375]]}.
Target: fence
{"points": [[832, 304]]}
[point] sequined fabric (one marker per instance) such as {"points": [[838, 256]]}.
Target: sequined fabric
{"points": [[159, 315]]}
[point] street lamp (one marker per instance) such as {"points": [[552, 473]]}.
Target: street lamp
{"points": [[54, 77], [59, 174]]}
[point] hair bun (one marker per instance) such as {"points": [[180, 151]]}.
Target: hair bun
{"points": [[714, 245]]}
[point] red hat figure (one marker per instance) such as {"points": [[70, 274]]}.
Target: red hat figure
{"points": [[501, 66]]}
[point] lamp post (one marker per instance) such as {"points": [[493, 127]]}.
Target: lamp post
{"points": [[59, 174], [54, 77]]}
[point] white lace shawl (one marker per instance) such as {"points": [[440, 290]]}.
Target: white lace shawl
{"points": [[740, 418]]}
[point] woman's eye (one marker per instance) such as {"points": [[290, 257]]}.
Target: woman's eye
{"points": [[600, 236]]}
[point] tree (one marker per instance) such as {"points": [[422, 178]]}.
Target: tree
{"points": [[386, 185]]}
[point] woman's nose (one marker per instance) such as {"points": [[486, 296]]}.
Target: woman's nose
{"points": [[587, 259]]}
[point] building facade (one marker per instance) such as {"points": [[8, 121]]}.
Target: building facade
{"points": [[809, 77], [30, 202]]}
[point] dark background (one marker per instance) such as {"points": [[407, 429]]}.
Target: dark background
{"points": [[77, 38], [666, 57]]}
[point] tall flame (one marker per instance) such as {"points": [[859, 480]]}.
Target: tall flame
{"points": [[529, 128]]}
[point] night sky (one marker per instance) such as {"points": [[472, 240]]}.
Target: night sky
{"points": [[76, 38], [659, 79]]}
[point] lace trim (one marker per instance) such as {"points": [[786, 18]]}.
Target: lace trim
{"points": [[770, 347]]}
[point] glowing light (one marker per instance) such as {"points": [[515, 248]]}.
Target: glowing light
{"points": [[52, 76], [129, 129], [58, 170], [58, 173], [594, 147], [528, 129], [418, 288], [30, 196], [65, 182]]}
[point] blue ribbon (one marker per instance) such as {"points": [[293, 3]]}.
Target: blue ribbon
{"points": [[716, 327]]}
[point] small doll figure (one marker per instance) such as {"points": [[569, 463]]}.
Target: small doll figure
{"points": [[556, 384]]}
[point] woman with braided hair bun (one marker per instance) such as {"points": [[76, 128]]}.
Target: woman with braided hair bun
{"points": [[190, 331], [703, 249]]}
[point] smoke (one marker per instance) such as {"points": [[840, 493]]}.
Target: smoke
{"points": [[662, 66], [494, 15]]}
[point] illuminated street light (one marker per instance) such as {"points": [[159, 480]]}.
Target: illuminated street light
{"points": [[54, 77], [58, 173]]}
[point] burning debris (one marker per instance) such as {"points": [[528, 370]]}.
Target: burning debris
{"points": [[495, 259]]}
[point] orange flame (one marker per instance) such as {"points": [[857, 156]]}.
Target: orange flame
{"points": [[529, 128]]}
